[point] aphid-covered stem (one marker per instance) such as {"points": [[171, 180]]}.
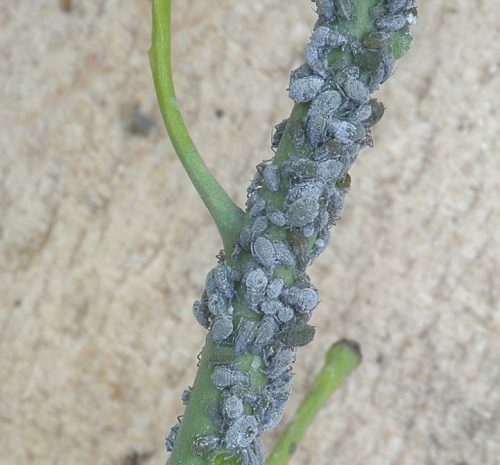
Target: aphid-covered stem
{"points": [[340, 361], [226, 214]]}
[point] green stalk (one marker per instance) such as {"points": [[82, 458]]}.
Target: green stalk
{"points": [[340, 361], [226, 214]]}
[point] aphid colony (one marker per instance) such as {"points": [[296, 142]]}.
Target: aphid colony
{"points": [[281, 238]]}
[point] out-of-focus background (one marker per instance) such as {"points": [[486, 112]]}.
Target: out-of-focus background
{"points": [[104, 244]]}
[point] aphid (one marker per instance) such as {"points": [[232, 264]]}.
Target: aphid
{"points": [[218, 306], [270, 307], [325, 9], [285, 314], [344, 9], [303, 299], [391, 22], [360, 114], [280, 363], [284, 256], [279, 389], [305, 89], [377, 40], [278, 133], [316, 59], [245, 237], [224, 377], [300, 72], [253, 454], [270, 418], [245, 393], [232, 407], [186, 394], [299, 168], [302, 211], [201, 313], [222, 328], [321, 110], [376, 113], [222, 356], [245, 335], [308, 230], [263, 251], [242, 432], [396, 5], [223, 280], [204, 443], [271, 177], [343, 131], [312, 189], [274, 288], [276, 217], [297, 134], [298, 336], [329, 170], [356, 91], [265, 332], [256, 281], [325, 37], [378, 10], [258, 227], [256, 206], [170, 439]]}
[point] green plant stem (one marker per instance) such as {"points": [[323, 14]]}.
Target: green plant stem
{"points": [[226, 214], [340, 361]]}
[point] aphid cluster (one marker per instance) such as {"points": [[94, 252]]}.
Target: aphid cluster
{"points": [[291, 207]]}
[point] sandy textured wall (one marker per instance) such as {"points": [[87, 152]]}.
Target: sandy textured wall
{"points": [[104, 244]]}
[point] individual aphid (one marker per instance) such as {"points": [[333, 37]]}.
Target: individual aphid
{"points": [[271, 177], [343, 131], [278, 133], [263, 251], [376, 113], [368, 60], [245, 237], [300, 72], [223, 280], [204, 443], [186, 394], [300, 247], [320, 245], [303, 299], [356, 91], [285, 314], [219, 306], [302, 212], [378, 10], [244, 335], [223, 355], [360, 114], [232, 407], [224, 376], [325, 37], [376, 40], [394, 6], [270, 418], [316, 59], [305, 89], [242, 432], [270, 307], [201, 313], [299, 168], [258, 227], [253, 454], [256, 206], [391, 22], [297, 134], [325, 103], [308, 230], [276, 217], [280, 363], [274, 288], [312, 189], [298, 335], [325, 9], [170, 439], [245, 393], [344, 9], [329, 170], [222, 328], [284, 256], [265, 332]]}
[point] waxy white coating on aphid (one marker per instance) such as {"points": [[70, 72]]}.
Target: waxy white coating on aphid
{"points": [[222, 328], [232, 407], [224, 377], [244, 335], [325, 103], [205, 443], [325, 37], [271, 177], [284, 256], [270, 307], [309, 189], [253, 454], [325, 9], [285, 314], [391, 22], [276, 217], [344, 8], [280, 363], [274, 288], [394, 6], [304, 300], [302, 211], [356, 91], [305, 89], [343, 131], [265, 332], [242, 432], [219, 306], [330, 170], [258, 205], [200, 312], [223, 280], [299, 168], [263, 251], [255, 282], [360, 114], [258, 227]]}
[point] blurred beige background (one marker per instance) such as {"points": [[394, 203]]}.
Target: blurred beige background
{"points": [[104, 244]]}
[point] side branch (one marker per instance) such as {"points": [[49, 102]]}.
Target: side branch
{"points": [[226, 214]]}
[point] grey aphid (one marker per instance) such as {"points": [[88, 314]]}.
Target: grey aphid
{"points": [[244, 335], [246, 236], [224, 355], [321, 221], [394, 6], [391, 22], [218, 306], [320, 245], [201, 313], [253, 454], [316, 59], [274, 288], [263, 251], [285, 314], [325, 37], [265, 332], [257, 205], [300, 72], [242, 432], [378, 10], [308, 230], [255, 185], [344, 8], [312, 189], [305, 89], [325, 9], [376, 40], [204, 443], [276, 217], [258, 227], [304, 300], [224, 377], [297, 134], [255, 282], [278, 133], [271, 177], [376, 113], [170, 439], [360, 114], [299, 168], [245, 393], [223, 280], [343, 131], [321, 110], [270, 418], [270, 307], [302, 212], [232, 407], [298, 336], [222, 328], [186, 394], [280, 363], [330, 170], [356, 91], [284, 256]]}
